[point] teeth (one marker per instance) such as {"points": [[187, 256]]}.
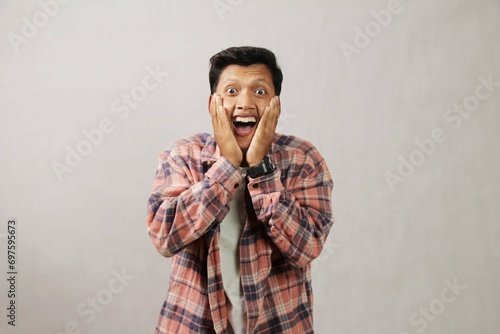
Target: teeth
{"points": [[246, 119]]}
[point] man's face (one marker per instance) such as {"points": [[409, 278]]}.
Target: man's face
{"points": [[246, 91]]}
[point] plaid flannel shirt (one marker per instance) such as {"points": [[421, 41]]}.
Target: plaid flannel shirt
{"points": [[289, 216]]}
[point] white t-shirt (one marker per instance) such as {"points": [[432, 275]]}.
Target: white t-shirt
{"points": [[229, 243]]}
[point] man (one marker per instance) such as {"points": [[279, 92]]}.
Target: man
{"points": [[242, 212]]}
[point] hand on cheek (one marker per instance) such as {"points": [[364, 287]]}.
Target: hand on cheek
{"points": [[264, 134], [223, 133]]}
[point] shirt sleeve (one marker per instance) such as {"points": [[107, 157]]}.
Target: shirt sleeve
{"points": [[298, 211], [184, 203]]}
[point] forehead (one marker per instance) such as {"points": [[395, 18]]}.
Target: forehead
{"points": [[255, 72]]}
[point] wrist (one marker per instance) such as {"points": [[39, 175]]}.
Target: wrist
{"points": [[235, 162], [234, 159], [253, 163]]}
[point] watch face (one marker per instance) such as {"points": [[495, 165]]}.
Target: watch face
{"points": [[264, 168]]}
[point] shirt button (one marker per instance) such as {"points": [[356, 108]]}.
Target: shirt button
{"points": [[236, 185], [255, 186]]}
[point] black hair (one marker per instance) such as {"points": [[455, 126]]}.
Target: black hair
{"points": [[244, 56]]}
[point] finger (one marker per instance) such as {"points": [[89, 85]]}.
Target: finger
{"points": [[265, 115], [212, 108], [222, 118], [218, 122], [276, 107], [261, 126], [271, 114], [274, 112], [269, 120], [213, 112], [219, 108]]}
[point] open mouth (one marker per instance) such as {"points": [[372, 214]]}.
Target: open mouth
{"points": [[244, 125]]}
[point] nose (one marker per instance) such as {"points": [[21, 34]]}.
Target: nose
{"points": [[245, 101]]}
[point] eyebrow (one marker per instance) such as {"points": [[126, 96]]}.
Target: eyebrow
{"points": [[234, 80]]}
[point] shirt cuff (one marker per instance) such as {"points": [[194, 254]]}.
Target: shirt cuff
{"points": [[265, 192], [226, 174]]}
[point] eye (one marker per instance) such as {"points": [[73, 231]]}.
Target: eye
{"points": [[260, 92], [231, 90]]}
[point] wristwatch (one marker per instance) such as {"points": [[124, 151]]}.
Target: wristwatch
{"points": [[266, 167]]}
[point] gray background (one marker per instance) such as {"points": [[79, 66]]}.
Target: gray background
{"points": [[395, 247]]}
